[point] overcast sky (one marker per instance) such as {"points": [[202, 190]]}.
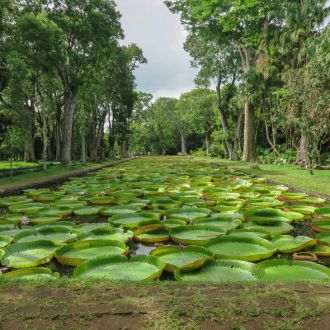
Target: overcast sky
{"points": [[150, 25]]}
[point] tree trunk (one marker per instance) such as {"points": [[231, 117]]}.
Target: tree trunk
{"points": [[183, 143], [58, 134], [303, 149], [249, 148], [44, 140], [83, 148], [248, 58], [207, 144], [69, 107]]}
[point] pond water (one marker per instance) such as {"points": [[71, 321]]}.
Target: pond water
{"points": [[140, 195]]}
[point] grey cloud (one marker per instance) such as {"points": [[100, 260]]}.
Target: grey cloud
{"points": [[150, 25]]}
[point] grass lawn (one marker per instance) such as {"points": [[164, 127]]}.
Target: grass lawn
{"points": [[52, 171], [82, 304], [4, 165], [286, 174]]}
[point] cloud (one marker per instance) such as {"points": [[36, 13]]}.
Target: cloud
{"points": [[150, 25]]}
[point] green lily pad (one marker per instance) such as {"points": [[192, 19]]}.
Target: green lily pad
{"points": [[321, 225], [290, 271], [28, 254], [241, 248], [132, 220], [109, 233], [86, 211], [76, 253], [186, 259], [4, 241], [172, 223], [196, 235], [323, 212], [119, 209], [323, 238], [275, 228], [303, 209], [155, 236], [119, 268], [30, 274], [220, 271], [289, 244], [187, 213]]}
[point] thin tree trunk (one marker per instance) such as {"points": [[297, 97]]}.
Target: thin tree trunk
{"points": [[183, 143], [83, 148], [44, 140], [69, 108], [249, 148], [207, 144]]}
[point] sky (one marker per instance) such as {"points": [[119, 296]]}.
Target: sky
{"points": [[150, 25]]}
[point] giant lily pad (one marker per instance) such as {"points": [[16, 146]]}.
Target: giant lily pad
{"points": [[187, 213], [266, 215], [58, 235], [184, 258], [241, 248], [323, 212], [75, 253], [132, 220], [323, 238], [220, 271], [273, 229], [321, 225], [30, 274], [119, 209], [291, 271], [197, 235], [29, 208], [172, 223], [86, 211], [28, 254], [4, 241], [119, 268], [289, 244], [155, 236], [109, 233]]}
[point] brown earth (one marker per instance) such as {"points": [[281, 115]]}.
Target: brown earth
{"points": [[164, 306]]}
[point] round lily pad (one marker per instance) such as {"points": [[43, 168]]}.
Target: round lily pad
{"points": [[323, 238], [241, 248], [4, 241], [86, 211], [30, 274], [28, 254], [321, 225], [75, 253], [275, 228], [172, 223], [289, 244], [119, 268], [107, 233], [291, 271], [196, 235], [184, 258], [220, 271], [155, 236], [187, 213], [323, 212], [119, 209], [132, 220]]}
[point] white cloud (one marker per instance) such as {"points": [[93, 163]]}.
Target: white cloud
{"points": [[159, 33]]}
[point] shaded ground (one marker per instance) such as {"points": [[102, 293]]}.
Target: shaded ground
{"points": [[75, 304]]}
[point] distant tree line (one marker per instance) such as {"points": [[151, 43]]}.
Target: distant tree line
{"points": [[67, 86]]}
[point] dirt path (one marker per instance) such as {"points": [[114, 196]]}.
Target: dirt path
{"points": [[165, 306]]}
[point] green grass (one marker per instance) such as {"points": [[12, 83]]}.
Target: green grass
{"points": [[286, 174], [39, 175], [6, 165]]}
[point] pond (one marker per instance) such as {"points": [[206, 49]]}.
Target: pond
{"points": [[167, 218]]}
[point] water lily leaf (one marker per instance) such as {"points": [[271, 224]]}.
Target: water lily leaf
{"points": [[289, 244], [172, 223], [323, 238], [109, 233], [187, 213], [119, 268], [76, 253], [220, 271], [290, 271], [184, 258], [241, 248], [30, 274], [4, 241], [28, 254], [196, 235]]}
